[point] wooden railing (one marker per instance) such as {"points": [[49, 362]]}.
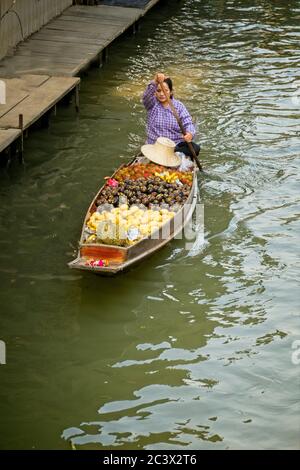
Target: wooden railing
{"points": [[20, 18]]}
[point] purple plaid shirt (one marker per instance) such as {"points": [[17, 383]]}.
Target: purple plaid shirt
{"points": [[161, 120]]}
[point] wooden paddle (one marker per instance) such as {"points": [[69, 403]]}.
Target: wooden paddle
{"points": [[196, 159]]}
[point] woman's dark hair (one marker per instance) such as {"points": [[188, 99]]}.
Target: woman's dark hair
{"points": [[169, 82]]}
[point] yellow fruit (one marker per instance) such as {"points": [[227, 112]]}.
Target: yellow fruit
{"points": [[133, 209], [155, 216], [144, 229], [91, 225], [91, 238], [144, 219]]}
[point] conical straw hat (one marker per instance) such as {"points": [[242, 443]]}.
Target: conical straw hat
{"points": [[162, 152]]}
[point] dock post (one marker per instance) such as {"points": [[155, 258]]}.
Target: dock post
{"points": [[77, 98], [7, 152], [105, 54], [21, 126], [99, 60], [136, 27]]}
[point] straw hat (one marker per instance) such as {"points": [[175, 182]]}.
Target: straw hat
{"points": [[162, 152]]}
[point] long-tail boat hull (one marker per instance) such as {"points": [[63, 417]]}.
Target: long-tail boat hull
{"points": [[121, 258]]}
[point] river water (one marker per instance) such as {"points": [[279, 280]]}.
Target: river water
{"points": [[192, 349]]}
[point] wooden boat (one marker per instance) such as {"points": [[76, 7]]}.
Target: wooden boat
{"points": [[120, 258]]}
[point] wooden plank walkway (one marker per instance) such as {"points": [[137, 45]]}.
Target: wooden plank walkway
{"points": [[30, 96], [18, 89], [42, 70], [33, 100], [7, 137], [68, 44]]}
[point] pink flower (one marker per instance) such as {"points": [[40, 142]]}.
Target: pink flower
{"points": [[112, 182], [96, 262]]}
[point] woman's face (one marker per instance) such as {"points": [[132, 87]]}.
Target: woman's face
{"points": [[160, 94]]}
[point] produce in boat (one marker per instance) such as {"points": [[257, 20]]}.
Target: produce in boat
{"points": [[136, 212]]}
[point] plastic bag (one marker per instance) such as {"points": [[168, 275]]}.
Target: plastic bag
{"points": [[186, 163]]}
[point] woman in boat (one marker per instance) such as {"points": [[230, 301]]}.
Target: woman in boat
{"points": [[161, 121]]}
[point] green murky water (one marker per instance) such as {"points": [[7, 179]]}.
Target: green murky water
{"points": [[183, 352]]}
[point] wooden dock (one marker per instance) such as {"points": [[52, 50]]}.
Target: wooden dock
{"points": [[42, 70], [28, 99], [7, 137]]}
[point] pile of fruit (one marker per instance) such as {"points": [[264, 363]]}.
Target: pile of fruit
{"points": [[141, 198], [150, 170], [151, 191], [124, 226]]}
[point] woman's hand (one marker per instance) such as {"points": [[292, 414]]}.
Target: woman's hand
{"points": [[159, 77], [188, 137]]}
